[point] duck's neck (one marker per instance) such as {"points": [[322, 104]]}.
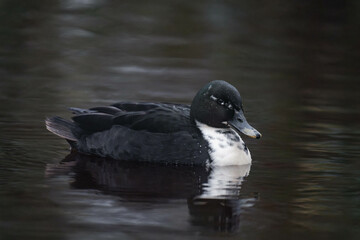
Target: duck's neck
{"points": [[225, 146]]}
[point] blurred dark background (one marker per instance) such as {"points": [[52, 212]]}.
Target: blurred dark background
{"points": [[295, 63]]}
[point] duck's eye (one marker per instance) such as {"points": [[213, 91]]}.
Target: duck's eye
{"points": [[220, 101]]}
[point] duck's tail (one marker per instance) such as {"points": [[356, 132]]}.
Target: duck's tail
{"points": [[62, 128]]}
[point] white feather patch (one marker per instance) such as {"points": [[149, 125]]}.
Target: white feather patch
{"points": [[226, 146]]}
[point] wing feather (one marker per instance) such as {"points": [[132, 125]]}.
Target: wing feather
{"points": [[151, 117]]}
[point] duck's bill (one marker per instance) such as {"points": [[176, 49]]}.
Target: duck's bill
{"points": [[239, 124]]}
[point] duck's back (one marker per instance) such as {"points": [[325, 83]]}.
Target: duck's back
{"points": [[158, 132]]}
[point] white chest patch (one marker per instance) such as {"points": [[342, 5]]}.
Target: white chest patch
{"points": [[226, 146]]}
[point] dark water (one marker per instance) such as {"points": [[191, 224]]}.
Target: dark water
{"points": [[296, 64]]}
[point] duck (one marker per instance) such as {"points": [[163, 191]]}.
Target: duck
{"points": [[207, 132]]}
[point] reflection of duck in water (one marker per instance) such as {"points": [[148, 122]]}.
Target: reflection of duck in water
{"points": [[225, 182], [207, 132], [219, 204], [213, 194]]}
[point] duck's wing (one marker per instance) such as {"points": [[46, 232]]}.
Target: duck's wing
{"points": [[141, 132], [151, 117]]}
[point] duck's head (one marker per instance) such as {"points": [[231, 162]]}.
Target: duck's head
{"points": [[218, 104]]}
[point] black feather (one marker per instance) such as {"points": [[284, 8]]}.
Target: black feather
{"points": [[94, 122], [133, 107], [107, 109], [127, 118], [61, 127], [140, 132]]}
